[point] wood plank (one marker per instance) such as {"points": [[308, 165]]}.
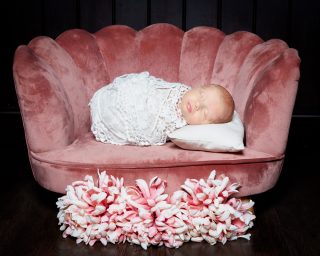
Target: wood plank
{"points": [[287, 220], [60, 15], [168, 11], [236, 15], [21, 21], [95, 15], [201, 13], [272, 19], [304, 31], [133, 13]]}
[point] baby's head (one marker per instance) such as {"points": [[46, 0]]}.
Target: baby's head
{"points": [[209, 104]]}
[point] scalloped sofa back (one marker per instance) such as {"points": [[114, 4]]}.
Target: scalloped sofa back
{"points": [[54, 80]]}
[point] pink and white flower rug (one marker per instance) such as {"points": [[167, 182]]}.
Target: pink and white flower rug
{"points": [[108, 211]]}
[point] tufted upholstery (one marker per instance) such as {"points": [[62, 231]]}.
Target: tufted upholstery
{"points": [[54, 80]]}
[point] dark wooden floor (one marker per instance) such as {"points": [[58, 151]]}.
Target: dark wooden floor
{"points": [[287, 216]]}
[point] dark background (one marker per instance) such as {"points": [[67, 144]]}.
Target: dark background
{"points": [[295, 21], [287, 216]]}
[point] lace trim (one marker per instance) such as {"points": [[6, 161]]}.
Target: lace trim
{"points": [[146, 107], [171, 116]]}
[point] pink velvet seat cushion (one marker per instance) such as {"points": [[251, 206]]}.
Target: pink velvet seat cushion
{"points": [[86, 151], [255, 171]]}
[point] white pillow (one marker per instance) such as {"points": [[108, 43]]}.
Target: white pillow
{"points": [[226, 137]]}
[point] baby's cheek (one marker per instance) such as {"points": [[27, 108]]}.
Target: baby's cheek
{"points": [[195, 119]]}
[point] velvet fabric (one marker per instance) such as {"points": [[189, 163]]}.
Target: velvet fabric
{"points": [[54, 80]]}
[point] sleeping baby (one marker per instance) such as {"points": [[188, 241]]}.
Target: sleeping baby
{"points": [[140, 109]]}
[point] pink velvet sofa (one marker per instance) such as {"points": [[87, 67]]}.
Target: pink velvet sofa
{"points": [[54, 80]]}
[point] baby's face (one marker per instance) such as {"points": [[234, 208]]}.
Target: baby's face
{"points": [[206, 105]]}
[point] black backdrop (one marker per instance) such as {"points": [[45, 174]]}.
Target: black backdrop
{"points": [[295, 21]]}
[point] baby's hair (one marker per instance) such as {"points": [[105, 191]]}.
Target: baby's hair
{"points": [[228, 101]]}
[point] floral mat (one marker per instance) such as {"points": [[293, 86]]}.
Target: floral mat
{"points": [[108, 211]]}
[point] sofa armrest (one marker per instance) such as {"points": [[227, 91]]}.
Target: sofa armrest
{"points": [[268, 111], [47, 114]]}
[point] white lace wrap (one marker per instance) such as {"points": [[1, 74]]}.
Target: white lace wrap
{"points": [[137, 109]]}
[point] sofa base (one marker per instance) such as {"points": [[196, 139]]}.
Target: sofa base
{"points": [[254, 178]]}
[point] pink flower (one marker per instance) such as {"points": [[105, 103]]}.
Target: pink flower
{"points": [[89, 212], [158, 221], [215, 218], [143, 214]]}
